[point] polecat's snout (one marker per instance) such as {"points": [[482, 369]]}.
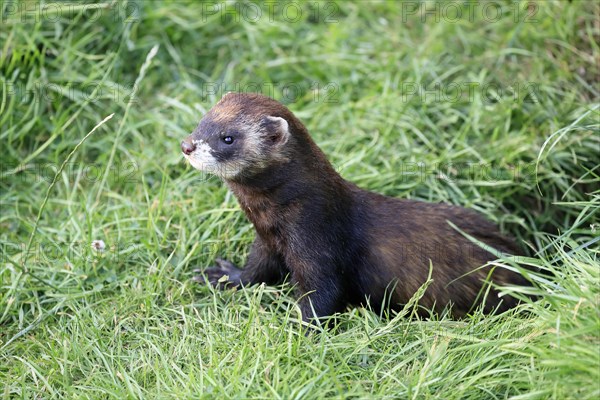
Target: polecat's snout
{"points": [[187, 147]]}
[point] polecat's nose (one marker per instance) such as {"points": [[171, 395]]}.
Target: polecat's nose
{"points": [[187, 147]]}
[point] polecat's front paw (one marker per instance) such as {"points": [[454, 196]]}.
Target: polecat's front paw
{"points": [[224, 275]]}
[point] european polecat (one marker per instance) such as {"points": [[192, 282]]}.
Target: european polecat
{"points": [[339, 244]]}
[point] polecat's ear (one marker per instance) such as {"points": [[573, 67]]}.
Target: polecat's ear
{"points": [[277, 128]]}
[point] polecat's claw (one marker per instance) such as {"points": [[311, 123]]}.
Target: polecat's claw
{"points": [[214, 275]]}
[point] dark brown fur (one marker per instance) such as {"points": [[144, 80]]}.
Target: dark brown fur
{"points": [[340, 244]]}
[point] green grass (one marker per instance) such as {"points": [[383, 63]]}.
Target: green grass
{"points": [[128, 322]]}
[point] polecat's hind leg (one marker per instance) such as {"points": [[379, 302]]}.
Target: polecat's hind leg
{"points": [[213, 275]]}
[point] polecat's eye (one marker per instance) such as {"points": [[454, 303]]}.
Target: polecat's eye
{"points": [[227, 140]]}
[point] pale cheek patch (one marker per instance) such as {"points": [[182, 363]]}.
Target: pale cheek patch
{"points": [[203, 160], [253, 145]]}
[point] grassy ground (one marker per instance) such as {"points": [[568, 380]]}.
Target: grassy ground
{"points": [[496, 110]]}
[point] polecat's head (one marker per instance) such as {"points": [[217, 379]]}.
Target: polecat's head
{"points": [[241, 135]]}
